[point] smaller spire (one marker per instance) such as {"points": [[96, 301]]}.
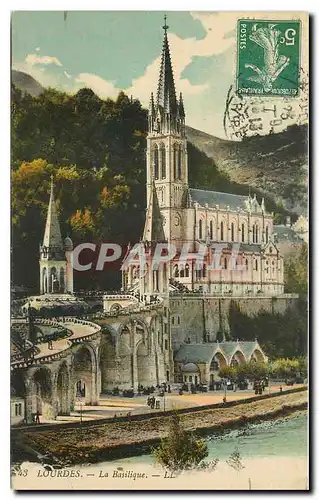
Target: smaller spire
{"points": [[152, 106], [52, 234], [153, 230], [181, 106]]}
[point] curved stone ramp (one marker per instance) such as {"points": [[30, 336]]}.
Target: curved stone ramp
{"points": [[80, 330]]}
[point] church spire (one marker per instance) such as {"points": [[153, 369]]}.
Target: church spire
{"points": [[153, 230], [52, 234], [166, 115], [166, 95]]}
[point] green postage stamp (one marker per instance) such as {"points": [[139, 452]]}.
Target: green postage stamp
{"points": [[268, 57]]}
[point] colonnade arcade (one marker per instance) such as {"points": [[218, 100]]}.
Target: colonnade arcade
{"points": [[126, 355]]}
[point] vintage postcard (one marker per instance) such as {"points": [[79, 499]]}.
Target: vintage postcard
{"points": [[159, 189]]}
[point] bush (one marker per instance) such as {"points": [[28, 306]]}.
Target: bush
{"points": [[180, 450]]}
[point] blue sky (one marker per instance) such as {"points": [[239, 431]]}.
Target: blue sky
{"points": [[113, 51]]}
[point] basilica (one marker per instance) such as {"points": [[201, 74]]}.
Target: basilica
{"points": [[224, 223], [168, 323]]}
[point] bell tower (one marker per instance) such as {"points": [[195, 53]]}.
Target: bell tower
{"points": [[56, 270], [167, 148]]}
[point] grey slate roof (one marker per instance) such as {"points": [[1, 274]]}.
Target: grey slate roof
{"points": [[213, 198], [286, 233], [203, 353]]}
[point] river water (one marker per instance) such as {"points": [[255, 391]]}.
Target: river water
{"points": [[283, 437], [273, 454]]}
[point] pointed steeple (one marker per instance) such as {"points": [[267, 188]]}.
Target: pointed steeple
{"points": [[153, 230], [166, 115], [166, 95], [181, 106], [52, 234], [151, 109]]}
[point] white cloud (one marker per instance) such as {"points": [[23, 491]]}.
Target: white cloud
{"points": [[67, 75], [37, 49], [34, 59], [101, 87]]}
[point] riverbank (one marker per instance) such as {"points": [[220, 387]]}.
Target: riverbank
{"points": [[114, 440]]}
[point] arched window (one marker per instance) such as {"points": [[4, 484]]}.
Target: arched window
{"points": [[225, 263], [267, 234], [176, 273], [222, 231], [232, 231], [243, 233], [256, 234], [175, 160], [187, 271], [178, 320], [156, 162], [204, 270], [200, 229], [163, 161], [173, 320], [179, 163], [256, 265], [246, 263], [181, 272], [211, 229]]}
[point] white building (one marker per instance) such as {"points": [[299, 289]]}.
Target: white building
{"points": [[180, 215]]}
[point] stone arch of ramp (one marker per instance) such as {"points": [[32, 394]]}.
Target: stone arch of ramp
{"points": [[107, 366], [146, 365], [84, 371], [125, 354], [63, 389], [17, 383], [42, 393]]}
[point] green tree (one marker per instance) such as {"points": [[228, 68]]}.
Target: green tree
{"points": [[181, 449], [296, 272]]}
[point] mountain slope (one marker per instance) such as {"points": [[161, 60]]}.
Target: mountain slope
{"points": [[274, 164], [26, 83]]}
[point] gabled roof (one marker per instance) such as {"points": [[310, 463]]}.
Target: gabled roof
{"points": [[203, 353], [213, 198]]}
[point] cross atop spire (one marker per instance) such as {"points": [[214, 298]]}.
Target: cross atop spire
{"points": [[165, 27]]}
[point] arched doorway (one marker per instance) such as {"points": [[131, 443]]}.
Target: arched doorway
{"points": [[218, 361], [63, 390], [83, 375], [257, 355], [107, 363], [42, 394], [237, 359]]}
